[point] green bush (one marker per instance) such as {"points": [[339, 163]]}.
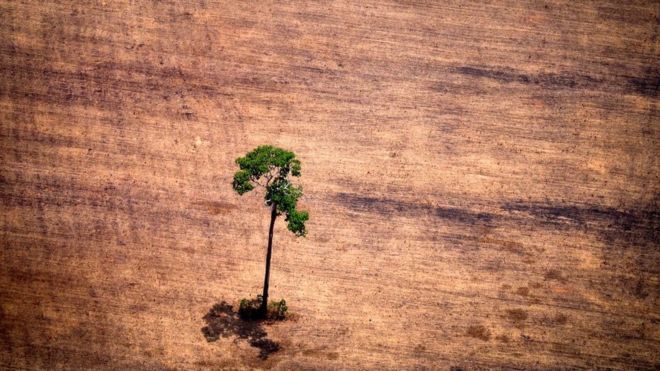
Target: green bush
{"points": [[249, 309], [277, 310]]}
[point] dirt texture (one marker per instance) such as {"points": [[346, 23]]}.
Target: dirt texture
{"points": [[482, 179]]}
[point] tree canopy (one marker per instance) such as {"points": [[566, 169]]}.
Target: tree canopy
{"points": [[269, 167]]}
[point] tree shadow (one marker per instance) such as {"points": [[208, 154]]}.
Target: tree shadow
{"points": [[223, 321]]}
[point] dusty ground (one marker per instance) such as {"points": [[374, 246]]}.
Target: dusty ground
{"points": [[482, 180]]}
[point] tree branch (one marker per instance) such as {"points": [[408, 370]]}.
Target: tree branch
{"points": [[254, 180]]}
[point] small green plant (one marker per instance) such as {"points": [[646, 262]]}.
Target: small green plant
{"points": [[250, 309], [277, 309]]}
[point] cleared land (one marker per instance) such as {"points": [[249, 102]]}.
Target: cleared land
{"points": [[482, 178]]}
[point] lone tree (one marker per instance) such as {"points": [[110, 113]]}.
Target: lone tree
{"points": [[269, 167]]}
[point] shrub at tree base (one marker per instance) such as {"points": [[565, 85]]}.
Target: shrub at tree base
{"points": [[250, 309], [277, 310]]}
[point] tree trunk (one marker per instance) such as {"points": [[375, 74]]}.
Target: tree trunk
{"points": [[264, 303]]}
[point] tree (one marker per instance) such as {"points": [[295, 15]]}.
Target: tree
{"points": [[269, 167]]}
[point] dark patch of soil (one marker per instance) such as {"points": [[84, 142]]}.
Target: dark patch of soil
{"points": [[646, 86], [517, 316], [559, 319], [556, 275], [640, 226], [389, 206], [545, 80], [522, 291], [479, 332]]}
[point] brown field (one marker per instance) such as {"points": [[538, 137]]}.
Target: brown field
{"points": [[482, 178]]}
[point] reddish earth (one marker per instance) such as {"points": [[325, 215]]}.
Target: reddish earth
{"points": [[482, 179]]}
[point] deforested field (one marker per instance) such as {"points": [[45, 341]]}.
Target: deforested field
{"points": [[482, 180]]}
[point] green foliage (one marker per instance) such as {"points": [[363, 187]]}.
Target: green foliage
{"points": [[277, 310], [295, 167], [270, 167], [250, 310], [242, 182], [263, 159], [297, 221]]}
